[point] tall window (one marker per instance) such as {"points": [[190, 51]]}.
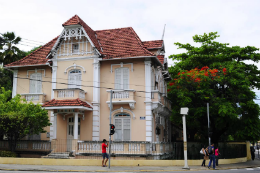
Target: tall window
{"points": [[122, 126], [36, 83], [75, 79], [121, 78]]}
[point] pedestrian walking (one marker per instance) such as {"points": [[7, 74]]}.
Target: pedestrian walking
{"points": [[204, 155], [252, 152], [217, 153], [211, 156], [104, 152]]}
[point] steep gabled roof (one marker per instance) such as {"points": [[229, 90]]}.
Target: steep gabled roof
{"points": [[38, 57], [111, 43], [154, 44], [161, 58], [76, 20], [121, 43], [72, 102]]}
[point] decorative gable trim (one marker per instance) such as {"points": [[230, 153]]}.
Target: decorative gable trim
{"points": [[36, 71]]}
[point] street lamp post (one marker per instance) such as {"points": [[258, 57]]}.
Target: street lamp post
{"points": [[184, 111]]}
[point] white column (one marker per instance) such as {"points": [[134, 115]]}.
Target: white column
{"points": [[185, 143], [148, 101], [76, 122], [96, 100], [53, 127], [54, 78], [14, 83]]}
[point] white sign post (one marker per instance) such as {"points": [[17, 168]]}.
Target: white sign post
{"points": [[184, 111]]}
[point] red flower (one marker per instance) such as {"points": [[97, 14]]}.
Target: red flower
{"points": [[172, 83], [179, 73], [168, 90], [206, 74]]}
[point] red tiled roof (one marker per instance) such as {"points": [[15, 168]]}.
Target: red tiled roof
{"points": [[121, 43], [112, 43], [38, 57], [73, 102], [161, 58], [153, 44], [76, 20]]}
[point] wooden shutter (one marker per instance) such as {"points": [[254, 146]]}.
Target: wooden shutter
{"points": [[118, 130], [118, 78], [33, 83], [125, 78], [39, 83], [78, 80], [126, 129], [72, 80]]}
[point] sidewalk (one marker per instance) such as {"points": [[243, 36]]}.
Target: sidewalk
{"points": [[12, 167]]}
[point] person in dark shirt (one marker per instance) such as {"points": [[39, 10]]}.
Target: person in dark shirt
{"points": [[104, 152], [211, 155]]}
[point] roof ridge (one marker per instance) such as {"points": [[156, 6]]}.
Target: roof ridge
{"points": [[140, 42], [112, 29]]}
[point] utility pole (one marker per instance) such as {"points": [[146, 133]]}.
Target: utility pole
{"points": [[111, 92], [208, 123]]}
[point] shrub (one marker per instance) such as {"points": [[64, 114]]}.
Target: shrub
{"points": [[7, 154]]}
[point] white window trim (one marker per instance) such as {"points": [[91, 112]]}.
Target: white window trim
{"points": [[122, 65], [35, 71], [74, 67], [36, 84], [129, 117]]}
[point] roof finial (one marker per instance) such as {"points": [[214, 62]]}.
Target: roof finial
{"points": [[163, 31]]}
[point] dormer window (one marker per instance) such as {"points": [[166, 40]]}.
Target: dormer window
{"points": [[75, 48]]}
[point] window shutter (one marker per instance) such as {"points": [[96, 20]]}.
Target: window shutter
{"points": [[118, 78], [118, 131], [126, 126], [125, 78], [78, 81], [72, 81], [32, 83], [39, 83]]}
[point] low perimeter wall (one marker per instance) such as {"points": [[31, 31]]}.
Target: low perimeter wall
{"points": [[93, 162]]}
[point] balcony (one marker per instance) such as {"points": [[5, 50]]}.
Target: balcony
{"points": [[34, 97], [69, 93], [158, 97], [122, 97]]}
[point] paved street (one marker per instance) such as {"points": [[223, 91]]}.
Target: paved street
{"points": [[201, 171]]}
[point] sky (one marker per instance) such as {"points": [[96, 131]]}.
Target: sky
{"points": [[37, 22]]}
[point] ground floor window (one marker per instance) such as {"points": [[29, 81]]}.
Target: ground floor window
{"points": [[122, 127]]}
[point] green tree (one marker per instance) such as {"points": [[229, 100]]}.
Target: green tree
{"points": [[18, 118], [217, 74], [10, 51]]}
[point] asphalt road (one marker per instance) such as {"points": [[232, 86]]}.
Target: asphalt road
{"points": [[256, 170]]}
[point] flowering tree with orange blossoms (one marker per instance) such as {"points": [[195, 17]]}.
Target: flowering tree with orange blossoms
{"points": [[217, 74]]}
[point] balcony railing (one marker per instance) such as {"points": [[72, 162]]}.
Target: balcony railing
{"points": [[69, 93], [159, 97], [122, 97], [34, 97]]}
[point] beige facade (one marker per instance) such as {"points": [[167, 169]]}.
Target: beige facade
{"points": [[75, 84]]}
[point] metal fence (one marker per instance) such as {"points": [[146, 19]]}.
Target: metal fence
{"points": [[130, 150]]}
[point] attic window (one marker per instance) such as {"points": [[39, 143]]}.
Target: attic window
{"points": [[75, 48]]}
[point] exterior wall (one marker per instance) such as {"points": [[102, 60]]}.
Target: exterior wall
{"points": [[23, 85], [62, 127], [86, 126], [137, 82], [86, 77], [47, 129]]}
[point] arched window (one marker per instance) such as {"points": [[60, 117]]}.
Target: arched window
{"points": [[121, 78], [36, 83], [74, 78], [122, 126]]}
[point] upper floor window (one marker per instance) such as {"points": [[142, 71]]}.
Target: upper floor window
{"points": [[74, 79], [75, 48], [36, 83], [121, 78]]}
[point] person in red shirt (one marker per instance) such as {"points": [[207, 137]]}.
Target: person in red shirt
{"points": [[104, 152]]}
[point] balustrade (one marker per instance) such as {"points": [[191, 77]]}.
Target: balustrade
{"points": [[34, 97], [70, 93]]}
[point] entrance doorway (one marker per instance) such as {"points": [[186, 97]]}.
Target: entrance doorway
{"points": [[70, 132]]}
